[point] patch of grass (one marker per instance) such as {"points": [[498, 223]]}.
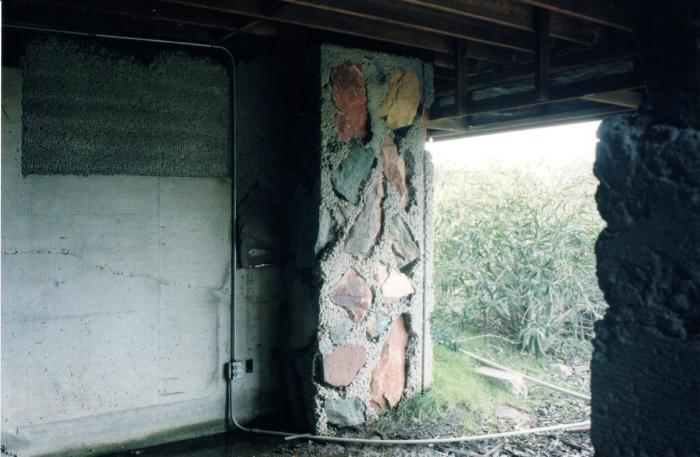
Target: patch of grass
{"points": [[463, 401]]}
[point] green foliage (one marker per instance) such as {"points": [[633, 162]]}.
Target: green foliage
{"points": [[514, 256]]}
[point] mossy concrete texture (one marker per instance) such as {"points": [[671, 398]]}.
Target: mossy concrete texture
{"points": [[118, 115]]}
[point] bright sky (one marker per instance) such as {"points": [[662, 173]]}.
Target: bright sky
{"points": [[552, 147]]}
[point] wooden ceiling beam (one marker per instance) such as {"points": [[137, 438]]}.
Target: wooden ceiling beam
{"points": [[593, 56], [509, 13], [151, 10], [559, 93], [458, 128], [429, 20], [610, 13], [332, 22]]}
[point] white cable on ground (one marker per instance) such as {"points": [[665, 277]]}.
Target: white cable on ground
{"points": [[572, 427], [563, 390]]}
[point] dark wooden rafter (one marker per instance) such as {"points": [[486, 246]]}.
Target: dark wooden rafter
{"points": [[590, 57], [430, 20], [510, 13], [559, 93], [452, 128], [610, 13], [542, 56], [332, 22], [461, 70], [150, 11]]}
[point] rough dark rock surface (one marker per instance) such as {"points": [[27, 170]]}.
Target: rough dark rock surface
{"points": [[352, 173], [350, 98], [645, 376], [341, 366], [117, 115], [353, 294], [365, 230], [389, 376]]}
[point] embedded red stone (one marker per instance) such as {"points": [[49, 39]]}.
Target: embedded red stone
{"points": [[353, 294], [341, 366], [395, 168], [389, 376], [349, 95]]}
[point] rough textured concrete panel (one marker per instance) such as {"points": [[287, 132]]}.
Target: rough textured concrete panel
{"points": [[645, 376], [118, 115], [115, 304]]}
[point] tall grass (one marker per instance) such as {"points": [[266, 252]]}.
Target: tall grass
{"points": [[514, 256]]}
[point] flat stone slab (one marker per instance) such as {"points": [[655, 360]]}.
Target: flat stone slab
{"points": [[345, 412], [401, 102], [396, 286], [341, 366], [403, 244], [352, 172], [349, 95], [353, 294], [395, 169], [364, 232], [389, 376]]}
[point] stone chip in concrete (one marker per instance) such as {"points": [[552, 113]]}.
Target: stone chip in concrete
{"points": [[401, 101], [389, 376], [403, 243], [364, 232], [349, 95], [352, 172], [396, 286], [341, 366], [353, 294], [345, 412], [395, 169]]}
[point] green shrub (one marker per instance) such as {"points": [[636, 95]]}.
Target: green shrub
{"points": [[514, 256]]}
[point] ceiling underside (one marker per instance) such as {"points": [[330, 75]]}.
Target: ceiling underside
{"points": [[499, 64]]}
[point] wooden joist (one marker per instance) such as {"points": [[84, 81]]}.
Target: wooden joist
{"points": [[453, 128], [430, 20], [559, 93], [329, 21], [510, 13], [610, 13]]}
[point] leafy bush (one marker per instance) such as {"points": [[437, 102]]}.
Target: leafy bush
{"points": [[514, 256]]}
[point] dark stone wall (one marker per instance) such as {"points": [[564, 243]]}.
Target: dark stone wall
{"points": [[646, 363], [92, 110]]}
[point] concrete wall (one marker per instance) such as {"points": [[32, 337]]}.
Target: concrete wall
{"points": [[115, 304]]}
